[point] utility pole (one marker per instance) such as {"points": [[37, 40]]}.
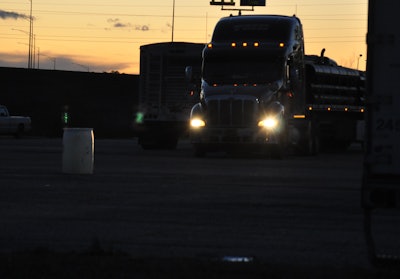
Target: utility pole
{"points": [[38, 57], [173, 20], [30, 38], [34, 52], [358, 60]]}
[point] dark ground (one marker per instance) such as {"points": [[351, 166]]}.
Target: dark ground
{"points": [[165, 214]]}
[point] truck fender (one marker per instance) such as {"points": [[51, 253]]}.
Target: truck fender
{"points": [[197, 110], [275, 108], [306, 136]]}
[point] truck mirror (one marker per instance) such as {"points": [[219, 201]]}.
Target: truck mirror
{"points": [[189, 74], [288, 73]]}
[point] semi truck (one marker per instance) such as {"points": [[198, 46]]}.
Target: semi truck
{"points": [[163, 113], [381, 174], [260, 91]]}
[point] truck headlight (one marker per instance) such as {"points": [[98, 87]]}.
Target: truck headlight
{"points": [[197, 123], [269, 123]]}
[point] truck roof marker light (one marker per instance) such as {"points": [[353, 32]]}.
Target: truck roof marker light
{"points": [[209, 45], [215, 85], [233, 44], [362, 110], [235, 84], [256, 44], [244, 44], [310, 108], [329, 108], [281, 44], [346, 109], [299, 116]]}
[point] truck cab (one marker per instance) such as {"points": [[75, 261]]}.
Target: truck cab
{"points": [[251, 69], [260, 91]]}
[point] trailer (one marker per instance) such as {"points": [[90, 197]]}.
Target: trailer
{"points": [[381, 176], [165, 99]]}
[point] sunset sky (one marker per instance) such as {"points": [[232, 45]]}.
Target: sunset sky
{"points": [[104, 36]]}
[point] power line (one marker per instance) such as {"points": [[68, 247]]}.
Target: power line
{"points": [[303, 17], [336, 28], [96, 40], [116, 4]]}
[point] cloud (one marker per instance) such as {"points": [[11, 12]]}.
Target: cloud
{"points": [[113, 20], [116, 23], [142, 28], [12, 15], [121, 25], [64, 62]]}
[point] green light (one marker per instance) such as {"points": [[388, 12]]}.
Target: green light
{"points": [[139, 118], [65, 118]]}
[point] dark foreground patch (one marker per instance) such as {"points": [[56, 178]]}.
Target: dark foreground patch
{"points": [[97, 263]]}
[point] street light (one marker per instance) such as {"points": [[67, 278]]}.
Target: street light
{"points": [[51, 58], [54, 62], [83, 66], [358, 60], [30, 38], [31, 45], [173, 20]]}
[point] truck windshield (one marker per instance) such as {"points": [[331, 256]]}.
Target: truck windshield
{"points": [[242, 69]]}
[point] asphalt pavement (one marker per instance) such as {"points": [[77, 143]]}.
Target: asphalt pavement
{"points": [[167, 204]]}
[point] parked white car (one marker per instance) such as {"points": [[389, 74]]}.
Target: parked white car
{"points": [[13, 125]]}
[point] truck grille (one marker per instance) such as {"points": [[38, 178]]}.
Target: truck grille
{"points": [[231, 113]]}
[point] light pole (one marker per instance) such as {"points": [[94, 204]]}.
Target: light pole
{"points": [[358, 60], [31, 45], [34, 51], [51, 58], [83, 66], [30, 38], [54, 62], [38, 57], [173, 20]]}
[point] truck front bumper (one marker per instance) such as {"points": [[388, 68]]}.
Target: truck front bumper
{"points": [[233, 136]]}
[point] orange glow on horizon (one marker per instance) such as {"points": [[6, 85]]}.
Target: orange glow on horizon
{"points": [[104, 36]]}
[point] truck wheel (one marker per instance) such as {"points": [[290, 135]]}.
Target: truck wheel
{"points": [[145, 143], [170, 143], [340, 145], [309, 144], [277, 151], [148, 146], [314, 139]]}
